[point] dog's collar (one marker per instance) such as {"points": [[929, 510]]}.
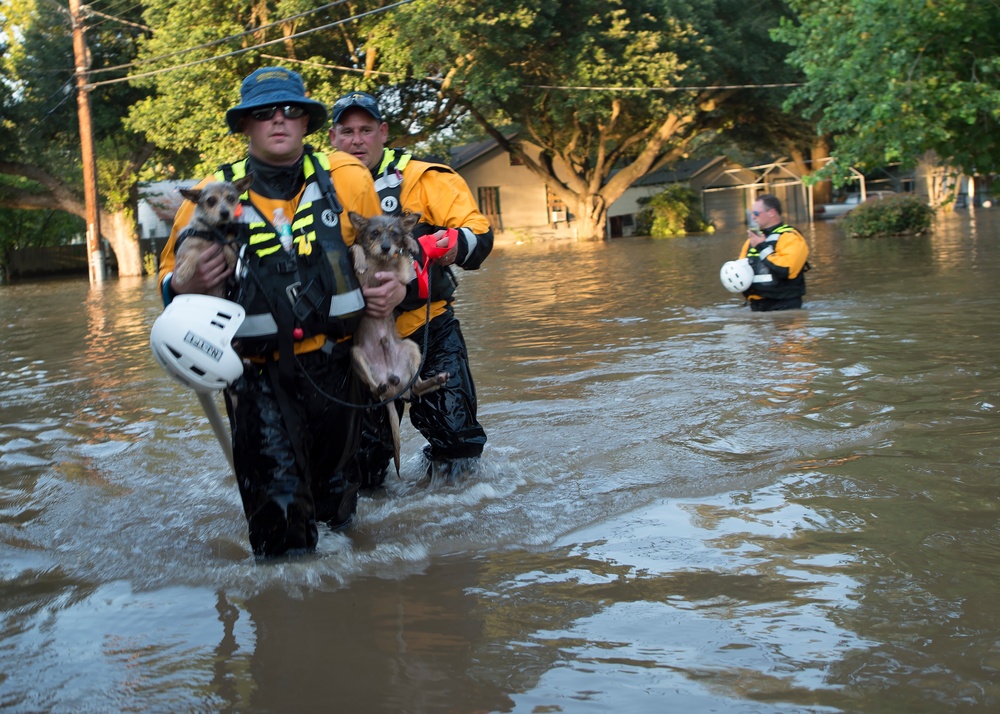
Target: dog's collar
{"points": [[215, 234]]}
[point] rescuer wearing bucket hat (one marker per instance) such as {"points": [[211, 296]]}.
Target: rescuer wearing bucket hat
{"points": [[292, 440], [452, 232]]}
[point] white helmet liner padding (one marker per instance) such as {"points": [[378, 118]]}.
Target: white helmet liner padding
{"points": [[192, 340]]}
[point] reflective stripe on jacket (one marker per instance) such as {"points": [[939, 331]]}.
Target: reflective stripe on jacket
{"points": [[779, 264], [314, 287]]}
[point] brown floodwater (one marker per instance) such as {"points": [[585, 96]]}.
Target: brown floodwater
{"points": [[683, 505]]}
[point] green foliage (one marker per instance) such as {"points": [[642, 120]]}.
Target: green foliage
{"points": [[31, 229], [530, 64], [675, 211], [589, 81], [40, 125], [892, 80], [905, 213]]}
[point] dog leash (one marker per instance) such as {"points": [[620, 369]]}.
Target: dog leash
{"points": [[384, 402], [432, 251]]}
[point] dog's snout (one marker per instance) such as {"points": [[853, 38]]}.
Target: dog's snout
{"points": [[386, 244]]}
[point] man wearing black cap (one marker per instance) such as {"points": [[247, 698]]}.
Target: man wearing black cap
{"points": [[447, 417], [293, 441]]}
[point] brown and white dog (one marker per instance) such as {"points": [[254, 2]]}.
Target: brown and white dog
{"points": [[384, 360], [215, 219]]}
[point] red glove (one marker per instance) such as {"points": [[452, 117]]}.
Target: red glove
{"points": [[428, 244]]}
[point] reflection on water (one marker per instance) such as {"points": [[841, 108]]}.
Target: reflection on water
{"points": [[683, 505]]}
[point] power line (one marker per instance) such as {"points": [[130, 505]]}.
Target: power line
{"points": [[322, 65], [661, 89], [213, 43], [92, 11], [248, 49], [559, 87]]}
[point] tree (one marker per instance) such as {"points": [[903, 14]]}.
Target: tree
{"points": [[611, 90], [42, 129], [190, 89], [36, 228], [891, 81]]}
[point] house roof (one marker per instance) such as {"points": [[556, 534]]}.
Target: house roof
{"points": [[464, 155], [681, 171]]}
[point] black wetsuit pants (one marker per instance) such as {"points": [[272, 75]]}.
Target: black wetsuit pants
{"points": [[293, 449], [446, 417]]}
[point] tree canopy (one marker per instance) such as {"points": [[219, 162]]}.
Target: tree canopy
{"points": [[41, 127], [591, 95], [609, 90], [892, 80]]}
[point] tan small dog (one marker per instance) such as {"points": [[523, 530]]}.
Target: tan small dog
{"points": [[217, 206], [384, 360]]}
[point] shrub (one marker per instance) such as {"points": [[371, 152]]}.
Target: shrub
{"points": [[901, 214], [149, 264], [673, 212]]}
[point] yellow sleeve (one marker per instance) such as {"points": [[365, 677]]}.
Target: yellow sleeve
{"points": [[181, 219], [443, 198], [791, 252], [745, 249], [355, 189]]}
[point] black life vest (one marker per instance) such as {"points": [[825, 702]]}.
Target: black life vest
{"points": [[314, 289], [389, 185], [767, 284], [389, 180]]}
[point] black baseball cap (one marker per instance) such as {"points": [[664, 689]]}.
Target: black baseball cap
{"points": [[362, 100]]}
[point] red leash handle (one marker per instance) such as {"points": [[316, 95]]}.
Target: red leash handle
{"points": [[431, 250]]}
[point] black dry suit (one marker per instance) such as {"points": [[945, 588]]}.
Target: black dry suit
{"points": [[389, 185], [446, 417], [292, 438], [782, 253]]}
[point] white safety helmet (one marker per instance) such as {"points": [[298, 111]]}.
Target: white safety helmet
{"points": [[192, 340], [736, 275]]}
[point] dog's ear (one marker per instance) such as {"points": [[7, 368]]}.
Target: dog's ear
{"points": [[358, 221], [409, 221], [191, 194], [243, 185]]}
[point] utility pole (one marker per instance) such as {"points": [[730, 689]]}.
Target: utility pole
{"points": [[95, 256]]}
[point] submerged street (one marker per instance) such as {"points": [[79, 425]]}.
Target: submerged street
{"points": [[683, 505]]}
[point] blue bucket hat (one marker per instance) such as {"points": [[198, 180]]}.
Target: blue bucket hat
{"points": [[361, 100], [275, 86]]}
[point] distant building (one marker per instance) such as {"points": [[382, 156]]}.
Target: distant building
{"points": [[158, 202], [516, 200]]}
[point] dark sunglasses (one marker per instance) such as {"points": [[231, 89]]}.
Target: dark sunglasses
{"points": [[289, 110]]}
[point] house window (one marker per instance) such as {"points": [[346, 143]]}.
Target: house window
{"points": [[489, 205], [557, 207], [515, 160]]}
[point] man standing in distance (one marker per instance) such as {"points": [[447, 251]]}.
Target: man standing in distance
{"points": [[293, 436], [447, 417], [777, 253]]}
